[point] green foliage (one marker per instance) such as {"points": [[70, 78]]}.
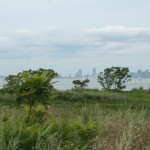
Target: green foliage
{"points": [[31, 86], [82, 128], [80, 84], [39, 113], [106, 79], [15, 135], [64, 133], [73, 135], [28, 137], [97, 125], [114, 77], [8, 99], [30, 83]]}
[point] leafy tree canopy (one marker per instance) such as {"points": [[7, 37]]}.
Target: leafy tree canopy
{"points": [[114, 78], [31, 86]]}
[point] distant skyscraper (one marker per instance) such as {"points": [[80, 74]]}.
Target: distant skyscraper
{"points": [[147, 73], [80, 72], [94, 72], [139, 72]]}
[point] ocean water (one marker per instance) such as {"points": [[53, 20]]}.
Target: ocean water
{"points": [[66, 83]]}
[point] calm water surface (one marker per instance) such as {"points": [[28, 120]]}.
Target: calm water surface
{"points": [[66, 83]]}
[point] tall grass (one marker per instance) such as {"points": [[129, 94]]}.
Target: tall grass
{"points": [[88, 127], [91, 95], [128, 130], [92, 128], [53, 133], [106, 99], [7, 99]]}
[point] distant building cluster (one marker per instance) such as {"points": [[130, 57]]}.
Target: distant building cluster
{"points": [[140, 74], [79, 74]]}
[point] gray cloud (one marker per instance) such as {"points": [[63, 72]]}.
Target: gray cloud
{"points": [[59, 48], [120, 33]]}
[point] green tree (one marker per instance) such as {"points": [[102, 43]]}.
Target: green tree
{"points": [[80, 84], [114, 78], [121, 76], [106, 78], [31, 86]]}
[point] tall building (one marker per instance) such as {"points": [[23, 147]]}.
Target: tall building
{"points": [[79, 74], [94, 72], [147, 73], [139, 72]]}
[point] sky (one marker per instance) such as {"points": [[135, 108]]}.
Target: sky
{"points": [[66, 35]]}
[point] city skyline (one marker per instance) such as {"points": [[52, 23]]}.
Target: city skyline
{"points": [[94, 73], [70, 34], [80, 73]]}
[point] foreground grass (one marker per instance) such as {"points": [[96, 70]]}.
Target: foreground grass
{"points": [[78, 120], [88, 128]]}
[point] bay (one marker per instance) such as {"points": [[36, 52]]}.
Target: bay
{"points": [[66, 83]]}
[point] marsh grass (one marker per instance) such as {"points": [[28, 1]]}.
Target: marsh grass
{"points": [[79, 119], [136, 98], [128, 130], [91, 128], [90, 95], [56, 132]]}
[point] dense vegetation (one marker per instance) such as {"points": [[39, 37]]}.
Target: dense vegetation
{"points": [[76, 119]]}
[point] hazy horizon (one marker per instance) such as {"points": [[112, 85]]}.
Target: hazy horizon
{"points": [[66, 35]]}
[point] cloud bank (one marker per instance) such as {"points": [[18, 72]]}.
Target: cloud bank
{"points": [[68, 50]]}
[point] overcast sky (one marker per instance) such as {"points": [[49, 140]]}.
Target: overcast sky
{"points": [[66, 35]]}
